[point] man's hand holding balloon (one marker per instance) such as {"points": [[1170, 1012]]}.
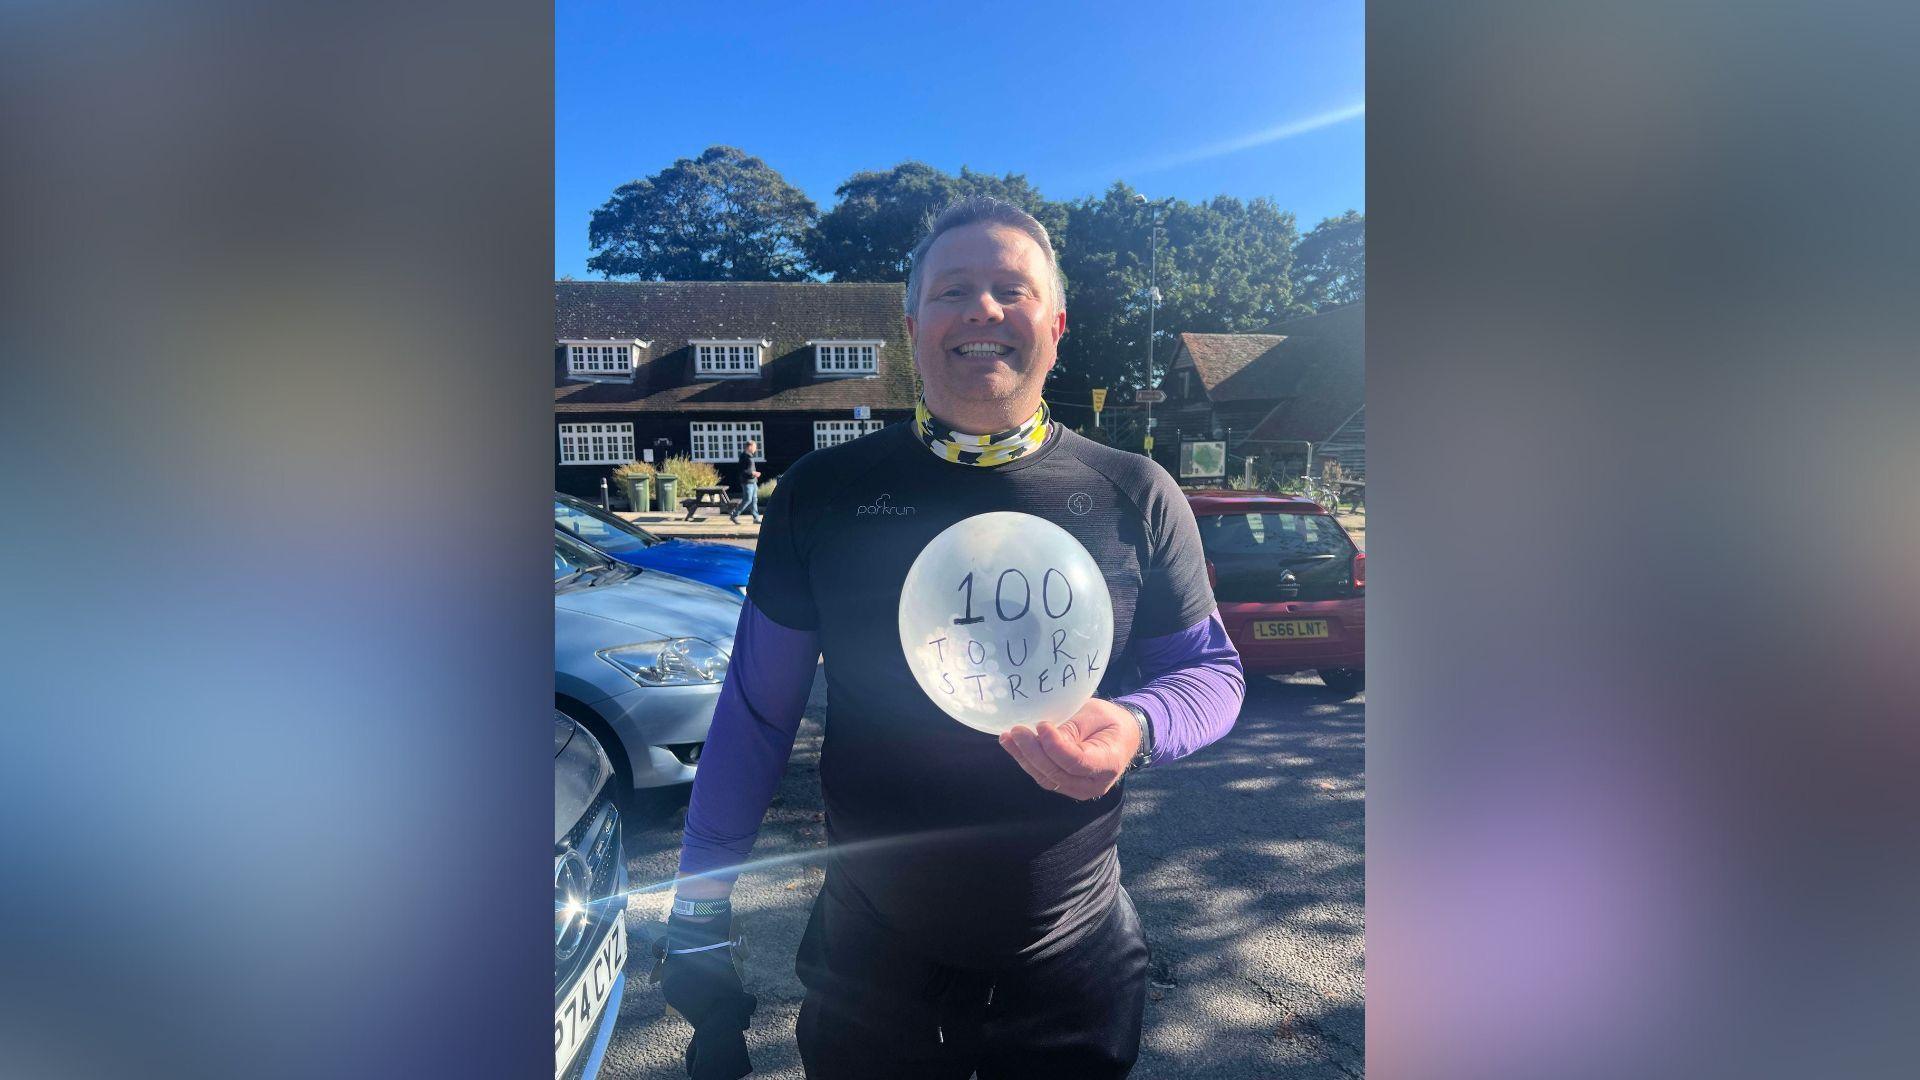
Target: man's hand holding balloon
{"points": [[1081, 757]]}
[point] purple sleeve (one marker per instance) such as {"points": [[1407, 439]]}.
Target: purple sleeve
{"points": [[1193, 690], [748, 745]]}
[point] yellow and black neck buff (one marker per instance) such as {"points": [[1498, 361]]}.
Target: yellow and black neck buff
{"points": [[985, 451]]}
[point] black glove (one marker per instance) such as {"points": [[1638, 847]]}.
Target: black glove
{"points": [[705, 988]]}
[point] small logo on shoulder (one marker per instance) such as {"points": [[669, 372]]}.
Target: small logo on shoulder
{"points": [[1080, 502], [883, 507]]}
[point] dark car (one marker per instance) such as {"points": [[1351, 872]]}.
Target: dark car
{"points": [[589, 902], [720, 565], [1290, 584]]}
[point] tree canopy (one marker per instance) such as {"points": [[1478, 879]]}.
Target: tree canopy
{"points": [[871, 231], [1224, 265], [724, 216], [1330, 265]]}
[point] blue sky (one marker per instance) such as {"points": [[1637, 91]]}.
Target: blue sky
{"points": [[1238, 98]]}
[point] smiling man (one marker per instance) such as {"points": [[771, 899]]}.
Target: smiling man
{"points": [[972, 917], [986, 314]]}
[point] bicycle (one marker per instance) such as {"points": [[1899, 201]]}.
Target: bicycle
{"points": [[1317, 489]]}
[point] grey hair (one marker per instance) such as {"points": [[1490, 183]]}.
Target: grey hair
{"points": [[985, 210]]}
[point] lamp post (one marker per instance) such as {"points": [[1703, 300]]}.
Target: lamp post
{"points": [[1153, 294]]}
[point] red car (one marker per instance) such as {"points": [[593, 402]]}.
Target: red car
{"points": [[1290, 582]]}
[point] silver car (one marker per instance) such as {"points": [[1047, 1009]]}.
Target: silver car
{"points": [[638, 658], [589, 902]]}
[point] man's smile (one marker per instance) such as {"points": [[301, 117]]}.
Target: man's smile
{"points": [[984, 350]]}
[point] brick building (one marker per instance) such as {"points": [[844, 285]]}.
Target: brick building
{"points": [[707, 365]]}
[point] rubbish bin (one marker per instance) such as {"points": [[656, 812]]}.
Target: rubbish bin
{"points": [[639, 493], [667, 488]]}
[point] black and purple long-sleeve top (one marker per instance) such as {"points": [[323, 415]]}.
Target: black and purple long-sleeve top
{"points": [[935, 832]]}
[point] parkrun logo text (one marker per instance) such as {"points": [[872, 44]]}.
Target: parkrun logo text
{"points": [[884, 505]]}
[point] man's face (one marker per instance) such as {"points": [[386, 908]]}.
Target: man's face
{"points": [[985, 332]]}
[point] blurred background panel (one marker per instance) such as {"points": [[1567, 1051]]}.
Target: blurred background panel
{"points": [[1642, 401], [277, 320]]}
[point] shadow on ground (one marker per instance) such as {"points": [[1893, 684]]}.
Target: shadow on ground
{"points": [[1246, 862]]}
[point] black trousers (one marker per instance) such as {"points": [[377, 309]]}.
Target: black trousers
{"points": [[875, 1010]]}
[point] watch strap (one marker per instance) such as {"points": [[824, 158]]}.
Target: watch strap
{"points": [[1145, 757]]}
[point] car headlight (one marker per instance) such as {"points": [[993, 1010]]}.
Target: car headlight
{"points": [[668, 662]]}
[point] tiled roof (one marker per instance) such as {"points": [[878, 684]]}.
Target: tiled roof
{"points": [[1217, 358], [670, 313], [1324, 364], [1313, 370]]}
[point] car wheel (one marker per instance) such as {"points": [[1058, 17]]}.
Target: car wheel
{"points": [[1346, 681]]}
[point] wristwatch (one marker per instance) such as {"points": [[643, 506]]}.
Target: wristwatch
{"points": [[1141, 759]]}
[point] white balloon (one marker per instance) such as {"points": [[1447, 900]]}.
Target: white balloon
{"points": [[1005, 620]]}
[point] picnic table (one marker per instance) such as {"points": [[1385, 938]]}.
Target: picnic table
{"points": [[709, 498], [1353, 492]]}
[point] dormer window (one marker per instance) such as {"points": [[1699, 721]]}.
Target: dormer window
{"points": [[844, 358], [603, 359], [716, 358]]}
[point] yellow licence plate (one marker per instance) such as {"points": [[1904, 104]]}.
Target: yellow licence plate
{"points": [[1289, 629]]}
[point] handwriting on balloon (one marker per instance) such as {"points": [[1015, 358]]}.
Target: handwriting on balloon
{"points": [[1058, 669], [1005, 620]]}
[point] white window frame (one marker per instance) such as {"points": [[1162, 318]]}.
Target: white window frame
{"points": [[585, 357], [834, 432], [831, 357], [596, 443], [723, 440], [709, 362]]}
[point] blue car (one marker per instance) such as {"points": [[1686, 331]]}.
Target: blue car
{"points": [[721, 565]]}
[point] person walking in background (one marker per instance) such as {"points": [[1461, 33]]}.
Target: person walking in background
{"points": [[749, 484]]}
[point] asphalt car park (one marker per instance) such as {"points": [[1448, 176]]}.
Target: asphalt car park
{"points": [[1246, 862]]}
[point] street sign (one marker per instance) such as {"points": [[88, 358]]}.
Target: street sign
{"points": [[862, 412], [1150, 396], [1153, 422], [1099, 398]]}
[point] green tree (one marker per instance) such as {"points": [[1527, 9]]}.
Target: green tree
{"points": [[1225, 266], [1330, 264], [724, 216], [871, 231]]}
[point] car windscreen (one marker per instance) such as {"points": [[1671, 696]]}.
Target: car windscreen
{"points": [[1281, 536], [570, 556], [604, 531]]}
